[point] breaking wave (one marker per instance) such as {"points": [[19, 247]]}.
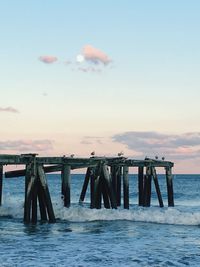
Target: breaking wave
{"points": [[180, 215]]}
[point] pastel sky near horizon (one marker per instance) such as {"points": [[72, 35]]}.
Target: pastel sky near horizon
{"points": [[108, 76]]}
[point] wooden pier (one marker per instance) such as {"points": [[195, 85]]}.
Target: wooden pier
{"points": [[108, 178]]}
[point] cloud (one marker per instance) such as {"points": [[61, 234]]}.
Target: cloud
{"points": [[183, 146], [48, 59], [26, 145], [9, 109], [92, 140], [95, 55], [89, 69]]}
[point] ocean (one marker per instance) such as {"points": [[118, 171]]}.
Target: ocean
{"points": [[87, 237]]}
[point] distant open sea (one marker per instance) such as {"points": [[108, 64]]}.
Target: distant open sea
{"points": [[83, 237]]}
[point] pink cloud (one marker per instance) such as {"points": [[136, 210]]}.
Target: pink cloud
{"points": [[26, 145], [95, 55], [9, 109], [48, 59], [182, 146]]}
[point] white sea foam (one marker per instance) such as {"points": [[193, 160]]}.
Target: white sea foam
{"points": [[153, 215], [13, 207]]}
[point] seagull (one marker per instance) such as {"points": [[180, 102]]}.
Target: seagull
{"points": [[120, 154], [72, 155], [156, 157], [92, 153], [163, 158]]}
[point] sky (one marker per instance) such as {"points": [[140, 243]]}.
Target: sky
{"points": [[103, 76]]}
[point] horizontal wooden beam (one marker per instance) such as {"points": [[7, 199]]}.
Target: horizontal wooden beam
{"points": [[149, 162], [81, 162], [47, 169], [20, 173]]}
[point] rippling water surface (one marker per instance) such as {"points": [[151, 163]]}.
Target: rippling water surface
{"points": [[84, 237]]}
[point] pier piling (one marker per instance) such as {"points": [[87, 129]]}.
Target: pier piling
{"points": [[170, 191], [140, 185], [66, 181], [147, 188], [155, 179], [1, 183], [126, 187]]}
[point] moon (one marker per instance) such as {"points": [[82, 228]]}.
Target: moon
{"points": [[80, 58]]}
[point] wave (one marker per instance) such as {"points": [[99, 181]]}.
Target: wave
{"points": [[150, 215], [180, 215]]}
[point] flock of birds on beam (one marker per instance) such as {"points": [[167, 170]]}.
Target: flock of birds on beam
{"points": [[120, 154]]}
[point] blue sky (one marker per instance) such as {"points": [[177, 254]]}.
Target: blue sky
{"points": [[150, 83]]}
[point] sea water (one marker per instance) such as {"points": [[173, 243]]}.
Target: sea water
{"points": [[88, 237]]}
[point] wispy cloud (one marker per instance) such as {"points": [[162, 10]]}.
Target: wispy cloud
{"points": [[48, 59], [89, 69], [95, 55], [9, 109], [26, 145], [183, 146], [92, 140]]}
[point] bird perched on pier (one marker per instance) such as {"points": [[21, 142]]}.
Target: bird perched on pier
{"points": [[120, 154], [156, 157], [92, 153], [163, 158], [72, 155]]}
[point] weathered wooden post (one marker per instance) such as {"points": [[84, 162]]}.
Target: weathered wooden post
{"points": [[42, 203], [108, 183], [92, 192], [1, 183], [113, 177], [140, 185], [85, 185], [66, 180], [147, 187], [30, 179], [113, 172], [97, 191], [118, 191], [105, 193], [126, 187], [155, 179], [170, 191], [45, 191], [116, 182]]}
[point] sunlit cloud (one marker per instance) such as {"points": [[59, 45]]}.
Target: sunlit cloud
{"points": [[26, 145], [94, 55], [183, 146], [9, 109], [48, 59]]}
